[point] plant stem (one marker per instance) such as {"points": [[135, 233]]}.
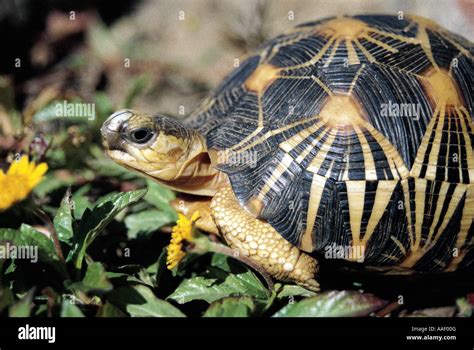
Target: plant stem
{"points": [[57, 246]]}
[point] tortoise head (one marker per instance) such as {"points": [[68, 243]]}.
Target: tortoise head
{"points": [[153, 145]]}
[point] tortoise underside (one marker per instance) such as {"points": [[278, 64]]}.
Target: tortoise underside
{"points": [[309, 133]]}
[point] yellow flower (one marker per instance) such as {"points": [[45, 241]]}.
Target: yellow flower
{"points": [[182, 232], [20, 179]]}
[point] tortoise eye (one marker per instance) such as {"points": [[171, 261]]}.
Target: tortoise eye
{"points": [[141, 135]]}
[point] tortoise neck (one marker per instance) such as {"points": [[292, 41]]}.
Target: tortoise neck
{"points": [[196, 175]]}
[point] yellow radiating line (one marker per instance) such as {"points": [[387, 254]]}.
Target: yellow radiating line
{"points": [[333, 52], [366, 52], [459, 131], [446, 155], [356, 77], [316, 163], [420, 156], [379, 43], [316, 58], [248, 138], [314, 78], [390, 257], [271, 133], [467, 115], [454, 202], [282, 166], [399, 245], [436, 146], [259, 127], [439, 206], [205, 106], [369, 163], [322, 85], [345, 173], [393, 157], [467, 141], [275, 49], [422, 37], [395, 36], [466, 222], [296, 77], [463, 50], [296, 139], [310, 147], [351, 53], [285, 163], [420, 192], [408, 211], [317, 187], [356, 198], [382, 198], [260, 109]]}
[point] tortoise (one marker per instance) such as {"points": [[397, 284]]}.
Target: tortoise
{"points": [[348, 137]]}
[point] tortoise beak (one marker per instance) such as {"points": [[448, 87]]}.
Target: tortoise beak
{"points": [[110, 130]]}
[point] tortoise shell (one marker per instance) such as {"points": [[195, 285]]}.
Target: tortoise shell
{"points": [[354, 131]]}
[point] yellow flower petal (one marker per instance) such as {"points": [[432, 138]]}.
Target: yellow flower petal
{"points": [[181, 232], [37, 174], [19, 180]]}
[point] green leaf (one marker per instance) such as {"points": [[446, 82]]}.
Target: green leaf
{"points": [[63, 219], [6, 298], [132, 273], [68, 309], [231, 307], [104, 106], [221, 261], [464, 308], [220, 284], [139, 301], [160, 197], [36, 243], [81, 202], [95, 281], [159, 267], [146, 222], [95, 220], [290, 290], [110, 310], [23, 307], [333, 304]]}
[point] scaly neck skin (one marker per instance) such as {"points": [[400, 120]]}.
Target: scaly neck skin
{"points": [[195, 174]]}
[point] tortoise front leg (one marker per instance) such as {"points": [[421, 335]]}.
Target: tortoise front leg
{"points": [[260, 242]]}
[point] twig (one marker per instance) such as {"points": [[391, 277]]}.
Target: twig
{"points": [[219, 248], [387, 309]]}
